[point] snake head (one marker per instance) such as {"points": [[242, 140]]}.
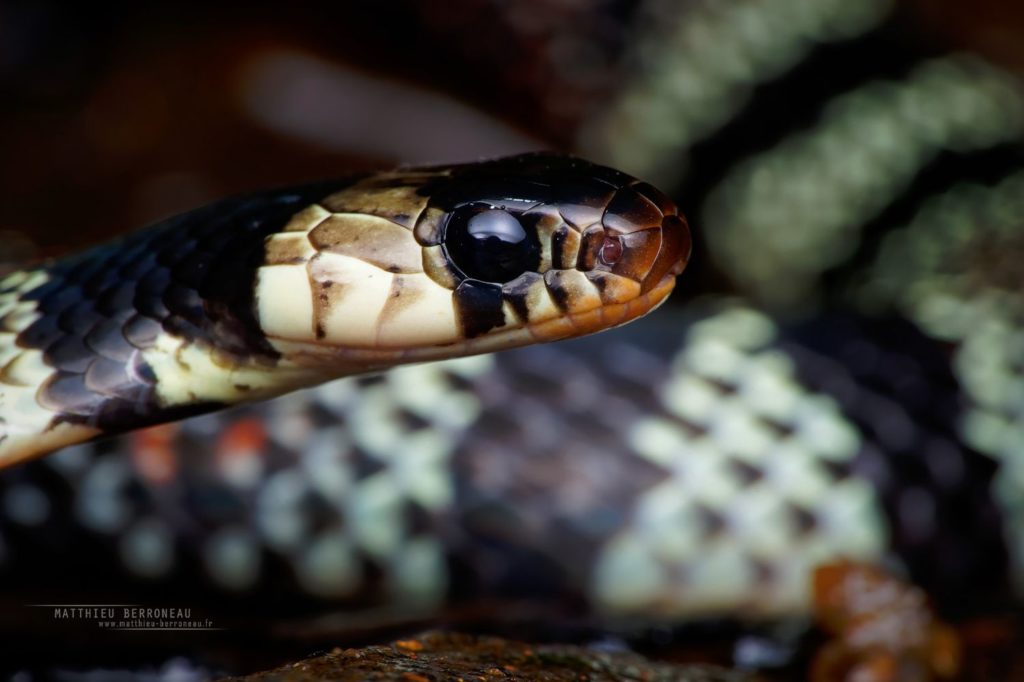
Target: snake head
{"points": [[258, 295], [427, 263]]}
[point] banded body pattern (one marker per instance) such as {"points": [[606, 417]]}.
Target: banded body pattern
{"points": [[699, 468], [87, 339], [694, 470]]}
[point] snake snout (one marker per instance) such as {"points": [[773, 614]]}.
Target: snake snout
{"points": [[655, 239], [674, 252]]}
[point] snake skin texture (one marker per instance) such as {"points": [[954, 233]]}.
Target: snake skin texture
{"points": [[97, 313], [699, 476], [77, 332], [860, 398], [252, 297]]}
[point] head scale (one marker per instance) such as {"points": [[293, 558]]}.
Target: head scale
{"points": [[427, 263], [254, 296]]}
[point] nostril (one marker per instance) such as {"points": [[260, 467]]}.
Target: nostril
{"points": [[611, 250]]}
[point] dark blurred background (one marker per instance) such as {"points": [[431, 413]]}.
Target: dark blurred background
{"points": [[114, 115], [832, 156]]}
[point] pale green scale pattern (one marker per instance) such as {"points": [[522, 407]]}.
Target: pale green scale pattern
{"points": [[953, 270], [805, 210], [667, 560]]}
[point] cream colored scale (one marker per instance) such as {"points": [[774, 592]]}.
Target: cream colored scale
{"points": [[355, 283], [354, 280], [349, 285], [24, 422]]}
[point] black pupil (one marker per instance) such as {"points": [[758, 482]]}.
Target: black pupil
{"points": [[490, 244]]}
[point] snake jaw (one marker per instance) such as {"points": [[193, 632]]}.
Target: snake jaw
{"points": [[607, 250], [601, 240]]}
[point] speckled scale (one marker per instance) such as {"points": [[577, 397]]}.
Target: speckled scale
{"points": [[191, 276], [116, 297], [76, 317], [139, 331], [66, 392], [107, 339]]}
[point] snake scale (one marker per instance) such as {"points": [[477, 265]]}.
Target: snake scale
{"points": [[251, 297], [696, 464]]}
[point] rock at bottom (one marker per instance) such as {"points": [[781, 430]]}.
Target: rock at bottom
{"points": [[440, 656]]}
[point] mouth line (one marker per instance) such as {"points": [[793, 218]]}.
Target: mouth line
{"points": [[570, 325], [602, 317]]}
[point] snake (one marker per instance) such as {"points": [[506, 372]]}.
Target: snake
{"points": [[254, 296], [700, 462]]}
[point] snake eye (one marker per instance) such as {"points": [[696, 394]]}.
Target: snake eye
{"points": [[490, 244]]}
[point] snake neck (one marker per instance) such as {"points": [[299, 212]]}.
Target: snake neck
{"points": [[157, 326]]}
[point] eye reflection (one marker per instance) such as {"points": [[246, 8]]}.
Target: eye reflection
{"points": [[490, 244], [496, 223]]}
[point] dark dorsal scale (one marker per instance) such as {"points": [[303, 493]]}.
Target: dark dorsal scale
{"points": [[192, 276], [896, 385]]}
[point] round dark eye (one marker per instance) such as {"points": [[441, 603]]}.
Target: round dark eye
{"points": [[490, 244]]}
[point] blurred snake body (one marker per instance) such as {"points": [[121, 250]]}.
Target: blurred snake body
{"points": [[255, 296]]}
